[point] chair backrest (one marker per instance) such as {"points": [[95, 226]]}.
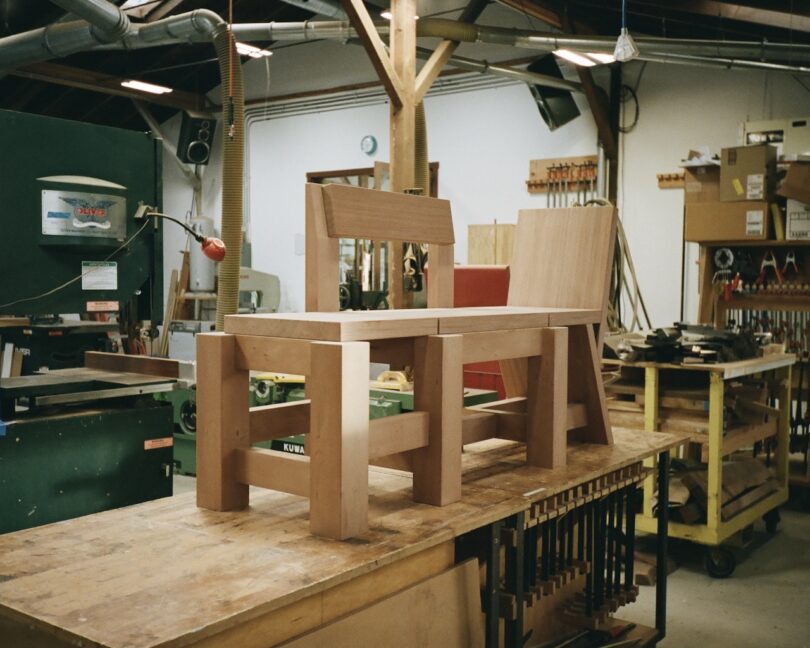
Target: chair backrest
{"points": [[562, 257], [341, 211]]}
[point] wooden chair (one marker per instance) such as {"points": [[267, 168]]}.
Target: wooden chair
{"points": [[562, 259], [333, 349], [341, 211]]}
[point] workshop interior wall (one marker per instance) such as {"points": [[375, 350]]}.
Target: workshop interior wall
{"points": [[484, 140]]}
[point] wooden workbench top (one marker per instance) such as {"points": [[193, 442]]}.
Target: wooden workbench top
{"points": [[165, 573], [346, 326], [728, 369]]}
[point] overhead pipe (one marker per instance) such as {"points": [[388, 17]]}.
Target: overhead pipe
{"points": [[320, 7], [109, 22], [545, 41], [200, 25], [484, 67]]}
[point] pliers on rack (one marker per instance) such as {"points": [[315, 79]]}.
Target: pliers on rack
{"points": [[769, 261], [790, 260]]}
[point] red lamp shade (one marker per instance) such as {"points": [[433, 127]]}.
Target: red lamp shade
{"points": [[213, 248]]}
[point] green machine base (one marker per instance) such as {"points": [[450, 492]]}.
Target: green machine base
{"points": [[382, 402], [60, 466]]}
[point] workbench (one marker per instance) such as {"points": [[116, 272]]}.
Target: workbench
{"points": [[718, 442], [166, 573]]}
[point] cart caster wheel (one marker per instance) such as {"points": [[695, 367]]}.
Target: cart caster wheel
{"points": [[771, 519], [720, 562]]}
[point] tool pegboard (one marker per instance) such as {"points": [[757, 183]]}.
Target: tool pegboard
{"points": [[577, 170]]}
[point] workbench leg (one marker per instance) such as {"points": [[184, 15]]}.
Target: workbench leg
{"points": [[223, 419], [651, 414], [585, 384], [515, 580], [338, 385], [715, 466], [492, 595], [547, 405], [784, 378], [661, 558], [438, 390]]}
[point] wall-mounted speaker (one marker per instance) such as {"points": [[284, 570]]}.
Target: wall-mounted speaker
{"points": [[196, 139], [557, 107]]}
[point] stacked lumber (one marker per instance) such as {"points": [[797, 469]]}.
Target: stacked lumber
{"points": [[746, 481]]}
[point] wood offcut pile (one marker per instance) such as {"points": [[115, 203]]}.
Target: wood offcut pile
{"points": [[746, 481]]}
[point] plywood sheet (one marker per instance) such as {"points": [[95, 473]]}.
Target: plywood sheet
{"points": [[410, 618]]}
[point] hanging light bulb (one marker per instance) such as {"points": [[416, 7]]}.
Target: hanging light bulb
{"points": [[626, 48]]}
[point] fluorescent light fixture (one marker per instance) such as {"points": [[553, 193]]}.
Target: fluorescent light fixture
{"points": [[387, 15], [251, 50], [573, 57], [601, 57], [145, 87], [626, 48]]}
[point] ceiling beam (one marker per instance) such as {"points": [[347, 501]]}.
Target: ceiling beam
{"points": [[72, 77], [361, 21], [735, 11], [438, 59], [162, 10]]}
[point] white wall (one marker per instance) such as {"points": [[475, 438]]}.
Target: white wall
{"points": [[683, 108], [483, 141]]}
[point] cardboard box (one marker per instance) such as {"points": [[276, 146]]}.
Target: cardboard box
{"points": [[798, 221], [701, 184], [747, 173], [797, 183], [719, 221]]}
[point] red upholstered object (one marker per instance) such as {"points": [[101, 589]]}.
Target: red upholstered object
{"points": [[482, 286]]}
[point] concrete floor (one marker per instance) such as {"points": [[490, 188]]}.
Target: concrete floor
{"points": [[765, 603]]}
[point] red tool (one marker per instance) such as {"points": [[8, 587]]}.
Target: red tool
{"points": [[790, 260], [769, 261]]}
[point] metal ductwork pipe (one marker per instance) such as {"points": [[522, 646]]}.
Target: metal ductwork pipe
{"points": [[320, 7], [108, 21], [62, 39], [233, 174]]}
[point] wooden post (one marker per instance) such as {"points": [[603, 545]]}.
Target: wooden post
{"points": [[438, 390], [714, 504], [398, 76], [547, 407], [338, 439], [223, 423], [651, 417]]}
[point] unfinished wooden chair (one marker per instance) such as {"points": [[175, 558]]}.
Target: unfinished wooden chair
{"points": [[336, 211], [562, 259], [333, 349]]}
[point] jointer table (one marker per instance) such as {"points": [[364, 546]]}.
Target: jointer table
{"points": [[166, 573]]}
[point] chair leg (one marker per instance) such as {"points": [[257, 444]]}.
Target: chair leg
{"points": [[585, 384], [338, 443], [224, 423], [438, 390], [547, 404]]}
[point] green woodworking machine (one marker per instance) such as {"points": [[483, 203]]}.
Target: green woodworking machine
{"points": [[78, 439]]}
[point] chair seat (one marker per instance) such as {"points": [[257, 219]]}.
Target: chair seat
{"points": [[347, 326]]}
